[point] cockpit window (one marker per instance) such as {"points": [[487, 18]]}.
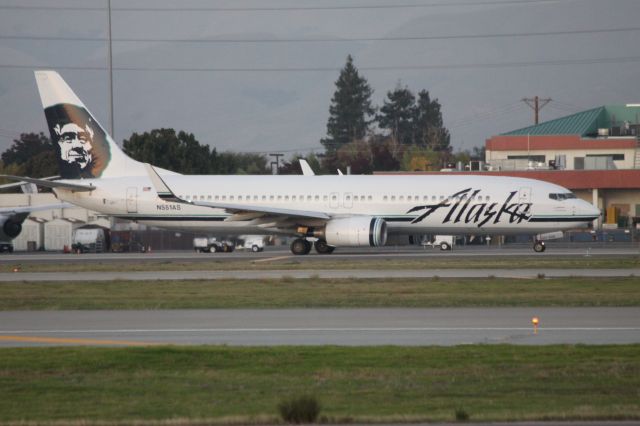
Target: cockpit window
{"points": [[562, 196]]}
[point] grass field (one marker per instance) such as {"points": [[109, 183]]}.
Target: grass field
{"points": [[296, 293], [211, 263], [489, 383]]}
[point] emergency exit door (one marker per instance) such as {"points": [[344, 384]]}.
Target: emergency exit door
{"points": [[132, 200]]}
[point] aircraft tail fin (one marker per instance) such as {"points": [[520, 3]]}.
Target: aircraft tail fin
{"points": [[84, 149]]}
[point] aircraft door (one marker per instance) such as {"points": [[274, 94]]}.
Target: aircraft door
{"points": [[524, 195], [132, 200]]}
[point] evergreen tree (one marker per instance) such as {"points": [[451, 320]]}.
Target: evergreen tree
{"points": [[430, 131], [397, 115], [350, 109], [31, 155], [164, 148]]}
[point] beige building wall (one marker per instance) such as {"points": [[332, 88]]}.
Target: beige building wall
{"points": [[627, 163]]}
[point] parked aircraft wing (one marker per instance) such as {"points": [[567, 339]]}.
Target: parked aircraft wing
{"points": [[51, 183], [29, 209], [165, 193]]}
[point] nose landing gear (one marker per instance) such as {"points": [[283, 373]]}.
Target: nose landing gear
{"points": [[538, 246]]}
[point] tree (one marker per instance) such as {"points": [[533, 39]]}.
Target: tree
{"points": [[164, 148], [430, 131], [397, 115], [31, 155], [293, 167], [350, 110], [230, 163]]}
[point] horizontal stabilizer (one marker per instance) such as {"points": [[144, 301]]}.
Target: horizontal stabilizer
{"points": [[51, 183]]}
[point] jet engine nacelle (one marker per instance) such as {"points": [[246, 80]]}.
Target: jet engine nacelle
{"points": [[10, 227], [356, 232]]}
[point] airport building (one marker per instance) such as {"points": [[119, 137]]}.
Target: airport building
{"points": [[595, 153]]}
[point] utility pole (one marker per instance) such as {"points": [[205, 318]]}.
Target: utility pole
{"points": [[110, 63], [275, 163], [536, 104]]}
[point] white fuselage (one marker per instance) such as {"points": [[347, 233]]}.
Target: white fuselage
{"points": [[454, 204]]}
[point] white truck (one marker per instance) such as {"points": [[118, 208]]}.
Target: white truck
{"points": [[255, 243], [89, 240], [212, 245], [444, 242]]}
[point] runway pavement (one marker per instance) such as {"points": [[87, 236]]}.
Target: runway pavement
{"points": [[352, 327], [313, 274], [399, 252]]}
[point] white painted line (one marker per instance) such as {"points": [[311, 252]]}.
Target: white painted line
{"points": [[347, 329]]}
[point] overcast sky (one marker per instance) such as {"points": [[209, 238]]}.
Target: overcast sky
{"points": [[267, 88]]}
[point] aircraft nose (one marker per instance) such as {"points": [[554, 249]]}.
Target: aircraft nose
{"points": [[591, 210]]}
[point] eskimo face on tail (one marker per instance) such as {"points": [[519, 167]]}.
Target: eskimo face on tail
{"points": [[83, 151]]}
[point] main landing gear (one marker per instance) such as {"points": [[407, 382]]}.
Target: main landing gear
{"points": [[301, 246], [538, 246], [323, 248]]}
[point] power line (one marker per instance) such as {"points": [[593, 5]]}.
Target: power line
{"points": [[324, 40], [514, 64], [284, 8]]}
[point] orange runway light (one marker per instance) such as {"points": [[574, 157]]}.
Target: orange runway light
{"points": [[535, 321]]}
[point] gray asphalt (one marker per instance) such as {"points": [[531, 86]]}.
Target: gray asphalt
{"points": [[394, 252], [351, 327], [313, 274]]}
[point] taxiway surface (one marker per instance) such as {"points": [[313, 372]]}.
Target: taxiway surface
{"points": [[353, 327]]}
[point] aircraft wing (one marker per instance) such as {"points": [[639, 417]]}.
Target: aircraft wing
{"points": [[29, 209], [13, 185], [50, 183], [167, 194]]}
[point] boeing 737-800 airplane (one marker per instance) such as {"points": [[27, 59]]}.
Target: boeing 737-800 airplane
{"points": [[333, 211]]}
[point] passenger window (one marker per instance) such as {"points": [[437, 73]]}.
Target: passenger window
{"points": [[279, 197], [401, 198], [239, 197], [370, 198], [334, 197], [317, 198], [224, 198], [385, 198], [286, 198], [217, 197], [209, 197], [393, 198], [325, 198], [264, 198], [231, 197], [293, 198]]}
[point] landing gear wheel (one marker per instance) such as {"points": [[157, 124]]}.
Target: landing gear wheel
{"points": [[539, 246], [323, 248], [300, 246]]}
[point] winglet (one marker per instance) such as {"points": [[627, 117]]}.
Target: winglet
{"points": [[306, 168], [163, 190]]}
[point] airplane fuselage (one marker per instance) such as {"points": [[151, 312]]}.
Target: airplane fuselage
{"points": [[444, 204]]}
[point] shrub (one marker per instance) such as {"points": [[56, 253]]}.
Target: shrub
{"points": [[304, 409], [461, 415]]}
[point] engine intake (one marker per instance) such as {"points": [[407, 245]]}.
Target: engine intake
{"points": [[355, 232], [11, 228]]}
